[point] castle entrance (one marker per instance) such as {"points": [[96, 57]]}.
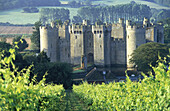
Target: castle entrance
{"points": [[90, 58]]}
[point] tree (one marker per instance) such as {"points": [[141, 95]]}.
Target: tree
{"points": [[21, 43], [147, 54], [35, 38], [5, 46]]}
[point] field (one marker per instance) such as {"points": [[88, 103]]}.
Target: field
{"points": [[17, 17], [15, 30]]}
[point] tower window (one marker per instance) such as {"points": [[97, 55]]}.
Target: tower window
{"points": [[74, 32], [101, 32], [98, 32], [94, 32], [100, 46], [80, 32], [75, 37], [99, 36]]}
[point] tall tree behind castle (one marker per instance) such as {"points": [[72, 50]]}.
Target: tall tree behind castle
{"points": [[131, 11], [48, 15]]}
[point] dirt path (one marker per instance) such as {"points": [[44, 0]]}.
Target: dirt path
{"points": [[73, 103]]}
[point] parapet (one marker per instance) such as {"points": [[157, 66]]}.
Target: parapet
{"points": [[134, 27], [128, 23], [86, 22]]}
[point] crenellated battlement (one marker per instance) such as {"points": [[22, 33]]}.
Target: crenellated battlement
{"points": [[117, 40], [135, 28], [104, 43]]}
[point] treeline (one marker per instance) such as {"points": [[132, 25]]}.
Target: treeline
{"points": [[133, 11], [48, 15], [162, 2], [158, 15], [11, 4]]}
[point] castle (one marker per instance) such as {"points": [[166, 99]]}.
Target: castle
{"points": [[102, 44]]}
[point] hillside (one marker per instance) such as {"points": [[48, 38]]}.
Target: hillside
{"points": [[13, 4], [161, 2]]}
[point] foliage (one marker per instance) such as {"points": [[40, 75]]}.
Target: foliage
{"points": [[166, 23], [31, 10], [21, 43], [148, 94], [58, 73], [5, 46], [112, 13], [162, 2], [147, 54], [11, 4], [48, 15], [18, 93], [35, 38]]}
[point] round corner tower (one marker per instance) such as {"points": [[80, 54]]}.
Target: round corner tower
{"points": [[134, 38], [48, 41]]}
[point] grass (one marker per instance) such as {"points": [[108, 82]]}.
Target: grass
{"points": [[17, 17]]}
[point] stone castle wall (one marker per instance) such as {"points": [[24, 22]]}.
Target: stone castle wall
{"points": [[104, 45]]}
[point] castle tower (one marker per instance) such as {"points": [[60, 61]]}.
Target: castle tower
{"points": [[76, 43], [121, 21], [101, 36], [146, 22], [86, 22], [135, 37], [48, 41], [64, 43]]}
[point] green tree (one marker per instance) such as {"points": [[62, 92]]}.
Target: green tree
{"points": [[21, 43], [5, 46], [147, 54], [35, 38]]}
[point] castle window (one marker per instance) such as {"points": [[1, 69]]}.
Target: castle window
{"points": [[100, 46], [101, 32], [98, 32], [94, 32], [74, 32], [90, 44], [71, 32], [77, 32], [80, 32], [99, 36], [75, 37]]}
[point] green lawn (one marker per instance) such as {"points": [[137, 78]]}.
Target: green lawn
{"points": [[17, 17]]}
